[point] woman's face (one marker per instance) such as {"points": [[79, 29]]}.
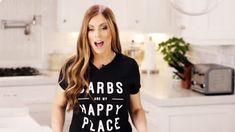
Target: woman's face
{"points": [[99, 35]]}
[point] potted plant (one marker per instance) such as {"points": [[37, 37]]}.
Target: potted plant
{"points": [[174, 53]]}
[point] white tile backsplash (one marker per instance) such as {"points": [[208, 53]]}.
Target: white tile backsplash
{"points": [[223, 55], [16, 48]]}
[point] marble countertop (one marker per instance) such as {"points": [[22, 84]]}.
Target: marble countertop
{"points": [[44, 79], [162, 90], [159, 89]]}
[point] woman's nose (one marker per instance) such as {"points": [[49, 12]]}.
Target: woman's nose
{"points": [[97, 33]]}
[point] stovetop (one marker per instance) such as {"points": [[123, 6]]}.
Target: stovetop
{"points": [[19, 71]]}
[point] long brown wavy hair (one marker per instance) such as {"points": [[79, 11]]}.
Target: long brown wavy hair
{"points": [[76, 73]]}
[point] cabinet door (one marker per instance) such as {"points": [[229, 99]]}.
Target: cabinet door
{"points": [[150, 16], [215, 118], [136, 15], [70, 14], [222, 22], [199, 123], [158, 16], [214, 28]]}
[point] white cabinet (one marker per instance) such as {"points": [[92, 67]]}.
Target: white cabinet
{"points": [[70, 13], [158, 17], [136, 15], [132, 15], [195, 118], [214, 28], [149, 16]]}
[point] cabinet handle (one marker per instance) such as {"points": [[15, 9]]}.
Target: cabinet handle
{"points": [[137, 21], [10, 95]]}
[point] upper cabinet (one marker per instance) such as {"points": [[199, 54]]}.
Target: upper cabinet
{"points": [[158, 16], [70, 14], [149, 16], [131, 15], [136, 15], [119, 8], [216, 27]]}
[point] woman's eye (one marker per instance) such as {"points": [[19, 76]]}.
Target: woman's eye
{"points": [[104, 28], [90, 29]]}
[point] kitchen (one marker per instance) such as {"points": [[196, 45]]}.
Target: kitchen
{"points": [[51, 37]]}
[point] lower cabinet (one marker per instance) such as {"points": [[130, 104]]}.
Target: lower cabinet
{"points": [[200, 118]]}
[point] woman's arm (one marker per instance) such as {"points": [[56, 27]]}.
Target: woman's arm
{"points": [[58, 112], [137, 113]]}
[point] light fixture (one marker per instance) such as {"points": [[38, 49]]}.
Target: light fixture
{"points": [[200, 6]]}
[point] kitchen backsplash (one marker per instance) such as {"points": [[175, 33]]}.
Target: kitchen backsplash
{"points": [[15, 46], [223, 55]]}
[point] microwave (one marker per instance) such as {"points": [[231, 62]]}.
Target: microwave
{"points": [[212, 79]]}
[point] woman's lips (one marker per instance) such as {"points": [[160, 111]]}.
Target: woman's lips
{"points": [[99, 44]]}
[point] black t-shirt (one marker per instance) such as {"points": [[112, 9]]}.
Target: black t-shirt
{"points": [[110, 88]]}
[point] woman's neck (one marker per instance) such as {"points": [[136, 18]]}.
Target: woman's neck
{"points": [[101, 60]]}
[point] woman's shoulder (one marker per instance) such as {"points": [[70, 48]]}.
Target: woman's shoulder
{"points": [[127, 60], [69, 62]]}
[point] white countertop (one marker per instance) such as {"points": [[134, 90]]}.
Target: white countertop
{"points": [[159, 89], [47, 78], [163, 91]]}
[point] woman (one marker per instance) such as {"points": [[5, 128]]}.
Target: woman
{"points": [[99, 84]]}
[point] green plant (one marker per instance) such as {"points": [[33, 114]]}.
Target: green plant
{"points": [[174, 53]]}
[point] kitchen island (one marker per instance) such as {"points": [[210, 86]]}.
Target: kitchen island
{"points": [[170, 108], [15, 117]]}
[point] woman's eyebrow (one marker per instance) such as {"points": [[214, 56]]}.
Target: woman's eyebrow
{"points": [[102, 24], [90, 26]]}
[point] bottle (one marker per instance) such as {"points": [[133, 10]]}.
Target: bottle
{"points": [[132, 49], [149, 62]]}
